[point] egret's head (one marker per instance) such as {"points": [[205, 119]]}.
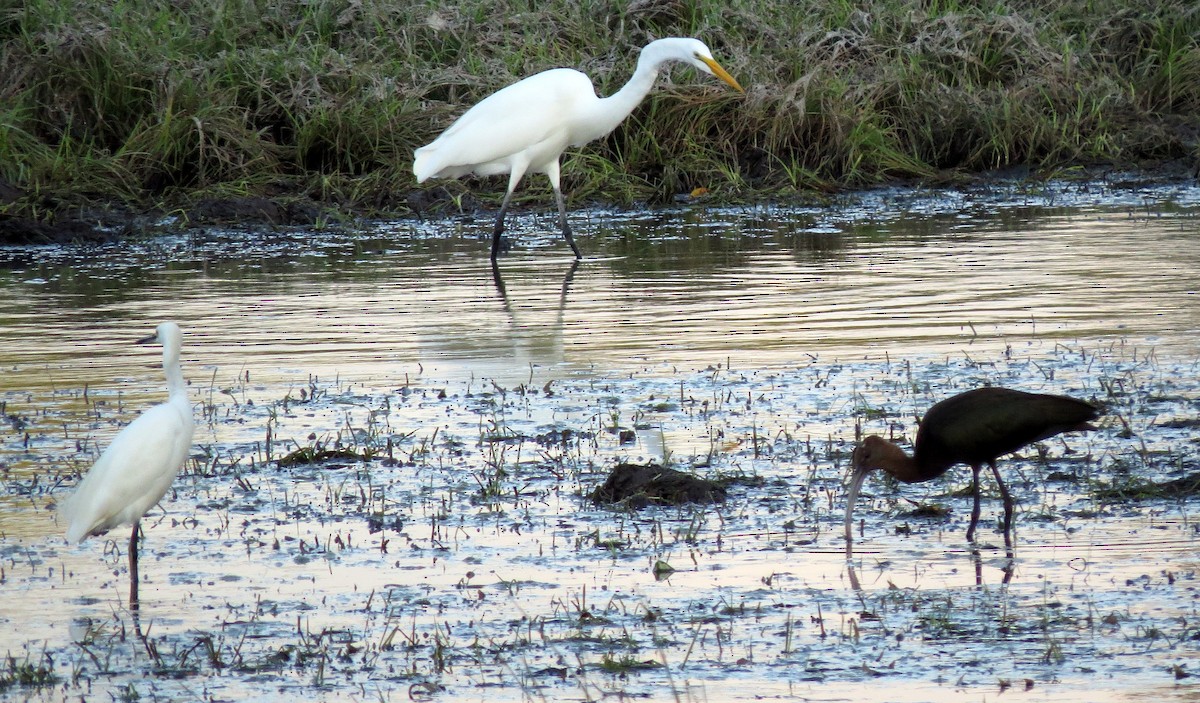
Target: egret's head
{"points": [[702, 59], [163, 334], [691, 51]]}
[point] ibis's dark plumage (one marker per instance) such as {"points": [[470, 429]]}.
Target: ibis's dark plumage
{"points": [[971, 428]]}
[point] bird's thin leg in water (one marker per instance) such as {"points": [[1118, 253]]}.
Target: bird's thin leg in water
{"points": [[1008, 509], [553, 175], [499, 229], [133, 567], [854, 583], [498, 280], [562, 222], [566, 285], [975, 509]]}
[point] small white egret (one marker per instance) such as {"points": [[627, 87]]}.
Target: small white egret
{"points": [[137, 469], [525, 127]]}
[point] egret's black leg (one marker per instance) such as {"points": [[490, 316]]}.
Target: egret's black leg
{"points": [[975, 509], [498, 280], [566, 286], [133, 568], [562, 222], [498, 231], [1008, 509]]}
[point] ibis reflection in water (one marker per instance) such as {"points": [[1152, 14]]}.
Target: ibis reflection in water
{"points": [[970, 428]]}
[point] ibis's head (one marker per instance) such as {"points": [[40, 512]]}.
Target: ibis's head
{"points": [[871, 454]]}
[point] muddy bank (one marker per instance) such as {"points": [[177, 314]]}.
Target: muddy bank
{"points": [[112, 223], [82, 220], [31, 219]]}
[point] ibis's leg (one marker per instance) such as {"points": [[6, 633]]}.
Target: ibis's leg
{"points": [[975, 509], [1008, 508], [552, 173], [133, 568], [854, 583]]}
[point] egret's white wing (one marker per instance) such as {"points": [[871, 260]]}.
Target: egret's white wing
{"points": [[131, 475], [513, 120]]}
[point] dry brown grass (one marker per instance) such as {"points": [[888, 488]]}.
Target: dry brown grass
{"points": [[149, 105]]}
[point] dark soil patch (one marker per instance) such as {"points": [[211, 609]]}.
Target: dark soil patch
{"points": [[24, 231], [640, 485], [113, 222], [254, 211], [1184, 424]]}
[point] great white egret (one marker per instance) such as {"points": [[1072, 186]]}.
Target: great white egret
{"points": [[525, 127], [971, 428], [138, 467]]}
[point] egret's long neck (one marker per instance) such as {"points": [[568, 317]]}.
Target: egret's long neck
{"points": [[175, 385], [617, 106]]}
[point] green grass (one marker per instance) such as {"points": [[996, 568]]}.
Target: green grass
{"points": [[152, 105], [25, 674]]}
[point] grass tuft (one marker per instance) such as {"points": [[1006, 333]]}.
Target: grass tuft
{"points": [[25, 674]]}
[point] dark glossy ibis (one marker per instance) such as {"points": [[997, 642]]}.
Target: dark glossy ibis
{"points": [[971, 428]]}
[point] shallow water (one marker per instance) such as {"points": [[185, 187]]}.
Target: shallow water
{"points": [[743, 343]]}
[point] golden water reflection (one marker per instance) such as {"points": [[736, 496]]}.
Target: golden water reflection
{"points": [[767, 303]]}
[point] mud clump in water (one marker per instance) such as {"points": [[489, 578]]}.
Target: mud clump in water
{"points": [[1183, 487], [306, 456], [639, 485]]}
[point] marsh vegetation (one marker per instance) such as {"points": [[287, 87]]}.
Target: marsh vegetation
{"points": [[306, 106]]}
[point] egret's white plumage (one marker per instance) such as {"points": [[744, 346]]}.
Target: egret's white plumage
{"points": [[525, 127], [138, 467]]}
